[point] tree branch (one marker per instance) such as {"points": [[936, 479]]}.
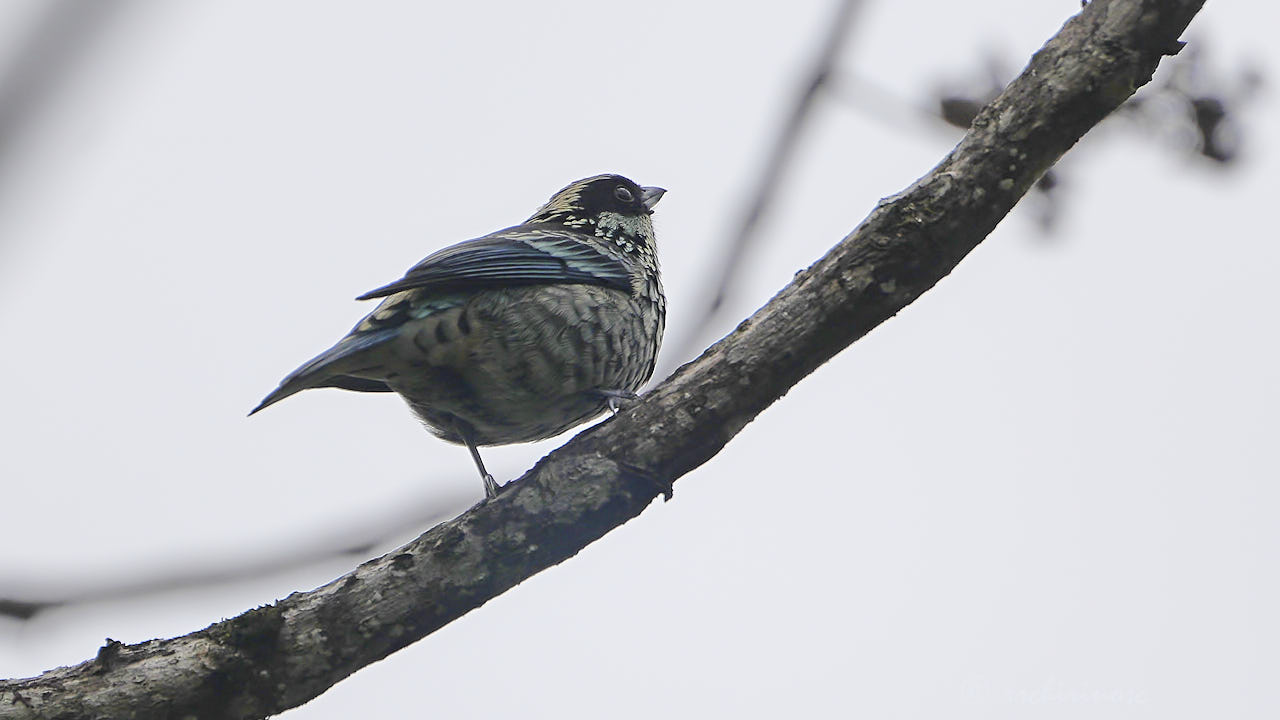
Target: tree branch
{"points": [[280, 656]]}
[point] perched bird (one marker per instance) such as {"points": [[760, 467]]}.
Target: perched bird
{"points": [[518, 335]]}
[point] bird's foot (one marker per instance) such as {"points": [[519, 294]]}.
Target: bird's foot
{"points": [[490, 487], [615, 398]]}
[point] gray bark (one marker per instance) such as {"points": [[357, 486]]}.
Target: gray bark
{"points": [[280, 656]]}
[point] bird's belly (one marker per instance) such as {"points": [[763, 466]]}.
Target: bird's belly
{"points": [[523, 364]]}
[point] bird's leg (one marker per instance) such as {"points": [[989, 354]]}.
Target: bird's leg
{"points": [[468, 435], [615, 397]]}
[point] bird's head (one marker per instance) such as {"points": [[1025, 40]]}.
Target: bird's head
{"points": [[610, 207]]}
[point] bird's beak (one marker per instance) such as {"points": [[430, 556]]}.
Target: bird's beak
{"points": [[650, 196]]}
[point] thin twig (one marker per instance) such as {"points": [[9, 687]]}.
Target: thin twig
{"points": [[357, 539], [59, 40], [741, 240]]}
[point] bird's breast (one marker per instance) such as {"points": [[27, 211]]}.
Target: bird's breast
{"points": [[522, 364]]}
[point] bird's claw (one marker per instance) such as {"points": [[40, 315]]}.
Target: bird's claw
{"points": [[614, 398]]}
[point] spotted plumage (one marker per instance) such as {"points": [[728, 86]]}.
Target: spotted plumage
{"points": [[518, 335]]}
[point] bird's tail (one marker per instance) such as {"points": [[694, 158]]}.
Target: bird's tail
{"points": [[285, 390], [332, 368]]}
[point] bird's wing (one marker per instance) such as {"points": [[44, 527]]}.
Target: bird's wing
{"points": [[522, 255]]}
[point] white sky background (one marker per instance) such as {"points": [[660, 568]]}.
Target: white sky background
{"points": [[1046, 489]]}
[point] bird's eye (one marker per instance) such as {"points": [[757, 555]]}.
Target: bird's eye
{"points": [[622, 193]]}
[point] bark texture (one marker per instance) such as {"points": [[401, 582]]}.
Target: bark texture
{"points": [[280, 656]]}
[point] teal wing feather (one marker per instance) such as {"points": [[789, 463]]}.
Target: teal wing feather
{"points": [[522, 255]]}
